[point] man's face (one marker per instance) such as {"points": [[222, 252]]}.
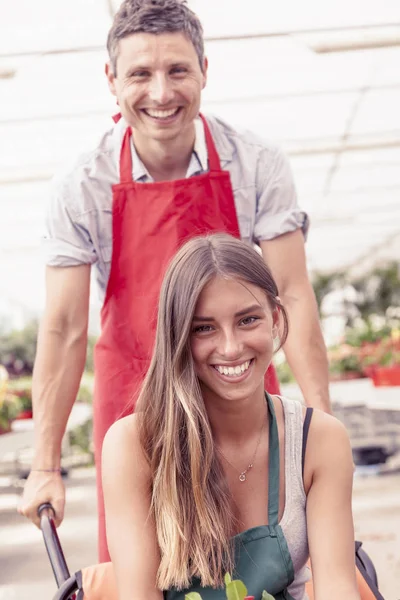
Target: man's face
{"points": [[158, 83]]}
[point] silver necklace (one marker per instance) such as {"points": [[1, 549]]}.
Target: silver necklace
{"points": [[242, 474]]}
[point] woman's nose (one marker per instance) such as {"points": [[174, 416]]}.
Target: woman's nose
{"points": [[230, 345]]}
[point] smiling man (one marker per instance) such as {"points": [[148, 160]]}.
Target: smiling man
{"points": [[162, 174]]}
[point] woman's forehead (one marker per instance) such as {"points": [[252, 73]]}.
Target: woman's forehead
{"points": [[229, 293]]}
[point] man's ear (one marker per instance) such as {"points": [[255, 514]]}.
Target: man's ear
{"points": [[109, 71], [205, 70]]}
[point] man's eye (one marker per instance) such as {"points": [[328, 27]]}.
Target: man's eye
{"points": [[140, 74], [178, 71]]}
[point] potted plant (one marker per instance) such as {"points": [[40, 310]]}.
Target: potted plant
{"points": [[24, 402], [234, 589], [8, 411], [381, 360], [344, 363]]}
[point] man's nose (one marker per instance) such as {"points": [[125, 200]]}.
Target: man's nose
{"points": [[160, 89]]}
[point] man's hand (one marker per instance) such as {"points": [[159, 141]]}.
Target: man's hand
{"points": [[41, 487]]}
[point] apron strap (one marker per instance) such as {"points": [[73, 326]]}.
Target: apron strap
{"points": [[125, 160], [125, 163], [273, 475], [213, 158]]}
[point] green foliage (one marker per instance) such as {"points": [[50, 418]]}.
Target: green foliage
{"points": [[347, 364], [324, 283], [379, 290], [85, 394], [266, 596], [24, 398], [365, 331], [18, 349], [8, 411], [284, 372], [227, 579], [89, 366], [81, 437], [236, 590]]}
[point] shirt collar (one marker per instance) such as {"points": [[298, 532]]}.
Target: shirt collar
{"points": [[198, 161]]}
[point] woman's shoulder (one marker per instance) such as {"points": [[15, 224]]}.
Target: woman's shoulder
{"points": [[125, 429], [328, 445], [122, 447], [327, 426]]}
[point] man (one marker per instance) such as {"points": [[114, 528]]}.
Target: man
{"points": [[160, 175]]}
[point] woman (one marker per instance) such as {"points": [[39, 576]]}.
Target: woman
{"points": [[206, 477]]}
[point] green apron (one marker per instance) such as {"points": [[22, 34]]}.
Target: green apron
{"points": [[262, 557]]}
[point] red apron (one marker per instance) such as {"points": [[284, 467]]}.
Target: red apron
{"points": [[150, 221]]}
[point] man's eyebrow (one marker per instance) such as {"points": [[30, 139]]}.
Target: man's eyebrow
{"points": [[134, 68], [240, 313], [142, 67]]}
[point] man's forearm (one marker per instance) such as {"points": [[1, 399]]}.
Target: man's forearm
{"points": [[305, 347], [59, 365]]}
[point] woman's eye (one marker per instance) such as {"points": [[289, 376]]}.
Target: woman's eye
{"points": [[202, 329], [249, 320]]}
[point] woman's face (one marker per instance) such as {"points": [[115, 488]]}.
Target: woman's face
{"points": [[232, 338]]}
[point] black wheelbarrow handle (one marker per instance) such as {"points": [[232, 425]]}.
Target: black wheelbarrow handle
{"points": [[67, 585], [51, 540]]}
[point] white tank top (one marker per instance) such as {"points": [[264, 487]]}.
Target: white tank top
{"points": [[293, 522]]}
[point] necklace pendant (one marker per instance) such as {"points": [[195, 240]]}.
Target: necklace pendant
{"points": [[242, 476]]}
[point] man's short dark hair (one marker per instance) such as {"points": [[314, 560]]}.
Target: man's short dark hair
{"points": [[157, 17]]}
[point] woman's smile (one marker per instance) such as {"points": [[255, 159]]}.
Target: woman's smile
{"points": [[234, 373]]}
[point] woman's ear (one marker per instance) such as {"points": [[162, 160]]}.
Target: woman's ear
{"points": [[276, 322], [276, 316]]}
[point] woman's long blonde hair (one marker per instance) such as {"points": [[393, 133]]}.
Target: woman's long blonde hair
{"points": [[191, 503]]}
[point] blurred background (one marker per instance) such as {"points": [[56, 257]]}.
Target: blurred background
{"points": [[320, 79]]}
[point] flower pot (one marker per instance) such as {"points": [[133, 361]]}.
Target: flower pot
{"points": [[24, 414], [385, 376]]}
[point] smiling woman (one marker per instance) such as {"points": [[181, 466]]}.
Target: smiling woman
{"points": [[209, 477]]}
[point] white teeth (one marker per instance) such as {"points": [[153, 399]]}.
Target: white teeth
{"points": [[233, 371], [161, 114]]}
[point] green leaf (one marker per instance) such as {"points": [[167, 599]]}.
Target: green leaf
{"points": [[266, 596], [236, 590], [227, 578], [192, 596]]}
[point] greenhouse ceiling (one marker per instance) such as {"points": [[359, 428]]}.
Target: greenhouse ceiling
{"points": [[320, 79]]}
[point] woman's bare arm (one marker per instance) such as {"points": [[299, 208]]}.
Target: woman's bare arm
{"points": [[131, 535], [329, 468]]}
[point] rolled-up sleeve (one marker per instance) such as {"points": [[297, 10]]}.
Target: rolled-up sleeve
{"points": [[66, 241], [277, 210]]}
